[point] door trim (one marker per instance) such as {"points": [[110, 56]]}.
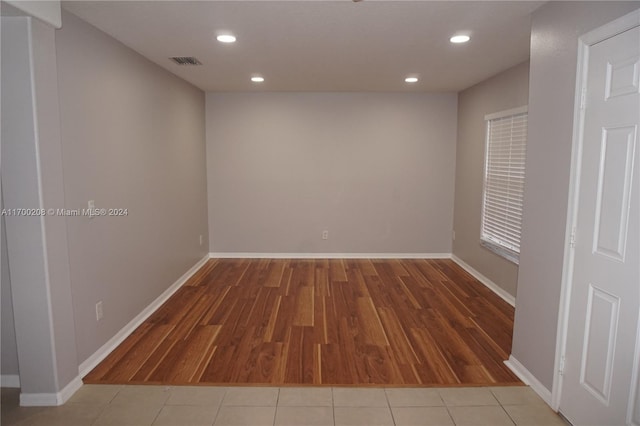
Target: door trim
{"points": [[620, 25]]}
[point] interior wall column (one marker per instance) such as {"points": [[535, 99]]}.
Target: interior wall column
{"points": [[37, 244]]}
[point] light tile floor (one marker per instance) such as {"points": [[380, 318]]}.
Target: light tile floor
{"points": [[97, 405]]}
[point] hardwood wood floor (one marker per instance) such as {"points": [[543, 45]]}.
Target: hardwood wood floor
{"points": [[321, 322]]}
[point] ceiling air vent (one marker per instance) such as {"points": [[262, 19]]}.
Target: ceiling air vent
{"points": [[185, 60]]}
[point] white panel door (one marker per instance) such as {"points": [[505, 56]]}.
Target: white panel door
{"points": [[598, 383]]}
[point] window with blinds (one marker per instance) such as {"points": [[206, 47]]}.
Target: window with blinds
{"points": [[504, 182]]}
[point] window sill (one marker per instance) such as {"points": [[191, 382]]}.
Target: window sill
{"points": [[501, 251]]}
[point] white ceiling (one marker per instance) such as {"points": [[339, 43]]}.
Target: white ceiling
{"points": [[322, 46]]}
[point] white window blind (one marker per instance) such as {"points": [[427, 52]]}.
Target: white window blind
{"points": [[504, 182]]}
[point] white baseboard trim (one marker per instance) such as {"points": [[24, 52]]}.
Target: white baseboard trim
{"points": [[51, 399], [486, 281], [90, 363], [330, 255], [528, 379], [9, 381]]}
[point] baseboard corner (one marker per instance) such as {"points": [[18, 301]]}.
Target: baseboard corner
{"points": [[51, 399], [529, 379]]}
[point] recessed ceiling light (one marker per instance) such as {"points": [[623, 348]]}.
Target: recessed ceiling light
{"points": [[411, 79], [226, 38], [257, 79], [459, 39]]}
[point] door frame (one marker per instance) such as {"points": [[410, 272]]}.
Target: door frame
{"points": [[618, 26]]}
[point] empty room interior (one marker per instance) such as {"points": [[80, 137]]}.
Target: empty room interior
{"points": [[320, 213]]}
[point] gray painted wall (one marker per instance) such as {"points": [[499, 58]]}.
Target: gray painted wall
{"points": [[556, 27], [9, 356], [509, 89], [375, 170], [133, 137]]}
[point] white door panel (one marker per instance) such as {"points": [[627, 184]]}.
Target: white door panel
{"points": [[598, 384]]}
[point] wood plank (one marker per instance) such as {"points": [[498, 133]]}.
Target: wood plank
{"points": [[304, 310], [265, 361], [273, 315], [130, 343], [202, 274], [129, 364], [322, 282], [370, 322], [435, 366], [333, 365], [218, 365], [183, 362], [275, 272], [337, 270], [398, 340]]}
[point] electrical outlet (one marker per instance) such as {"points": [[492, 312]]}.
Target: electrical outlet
{"points": [[201, 239], [325, 235], [453, 235], [99, 312]]}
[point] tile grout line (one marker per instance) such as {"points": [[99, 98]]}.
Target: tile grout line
{"points": [[166, 388], [275, 413], [106, 406], [333, 407], [386, 395], [219, 406], [102, 411], [508, 415], [502, 406], [446, 406]]}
